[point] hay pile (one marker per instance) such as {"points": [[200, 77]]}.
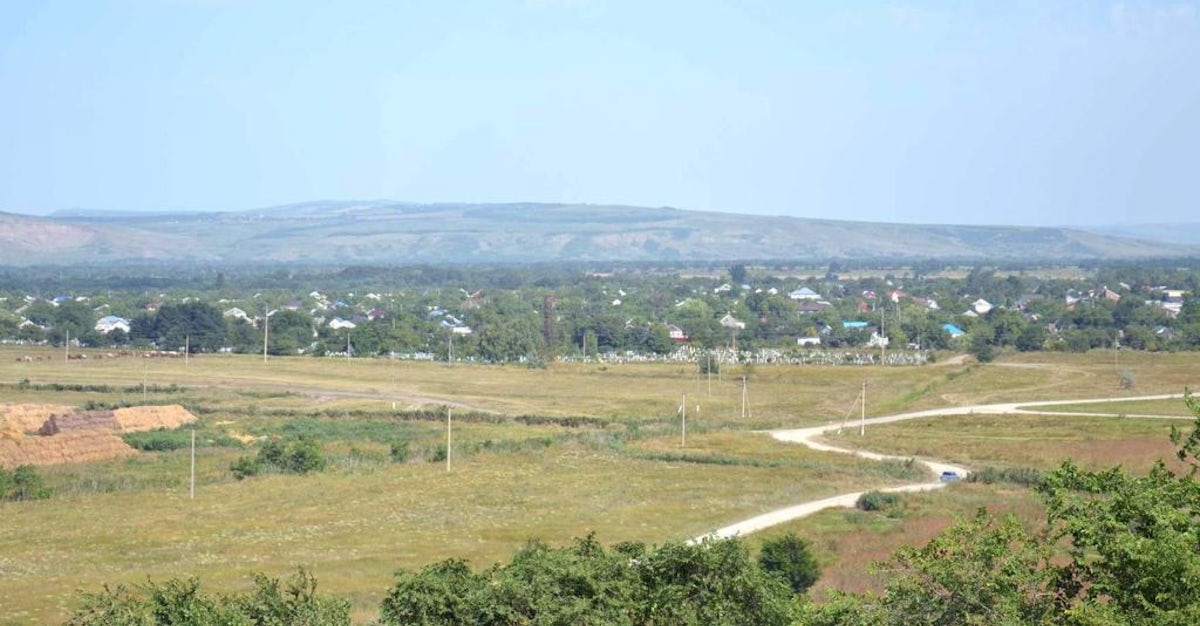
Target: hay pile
{"points": [[139, 418], [70, 435]]}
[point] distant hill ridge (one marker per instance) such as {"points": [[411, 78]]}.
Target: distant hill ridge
{"points": [[390, 232]]}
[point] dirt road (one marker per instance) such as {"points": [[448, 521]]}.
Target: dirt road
{"points": [[808, 436]]}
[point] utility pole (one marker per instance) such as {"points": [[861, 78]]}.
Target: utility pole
{"points": [[862, 428], [883, 339], [448, 439], [67, 347], [744, 397], [187, 350], [193, 488], [266, 331], [709, 370], [683, 421]]}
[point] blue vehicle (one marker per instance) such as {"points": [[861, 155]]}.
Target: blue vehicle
{"points": [[948, 476]]}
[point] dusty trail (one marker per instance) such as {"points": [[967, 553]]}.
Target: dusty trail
{"points": [[808, 436]]}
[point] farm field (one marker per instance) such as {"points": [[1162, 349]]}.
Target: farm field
{"points": [[538, 453]]}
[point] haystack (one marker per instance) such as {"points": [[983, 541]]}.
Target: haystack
{"points": [[46, 434]]}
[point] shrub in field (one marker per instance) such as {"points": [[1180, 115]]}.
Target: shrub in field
{"points": [[23, 483], [400, 451], [1016, 475], [889, 504], [300, 457]]}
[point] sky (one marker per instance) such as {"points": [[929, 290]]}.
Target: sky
{"points": [[1073, 112]]}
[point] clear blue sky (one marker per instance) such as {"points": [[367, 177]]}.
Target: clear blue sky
{"points": [[1016, 112]]}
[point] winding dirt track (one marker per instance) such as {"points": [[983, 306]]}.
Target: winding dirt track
{"points": [[808, 436]]}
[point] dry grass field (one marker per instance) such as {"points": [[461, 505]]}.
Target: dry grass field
{"points": [[601, 452]]}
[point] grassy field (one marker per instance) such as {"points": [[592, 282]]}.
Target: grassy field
{"points": [[1129, 407], [539, 453], [1035, 441]]}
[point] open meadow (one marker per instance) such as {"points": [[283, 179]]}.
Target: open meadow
{"points": [[536, 453]]}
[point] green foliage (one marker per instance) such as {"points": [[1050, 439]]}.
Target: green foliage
{"points": [[22, 483], [182, 603], [163, 440], [400, 451], [301, 456], [245, 466], [889, 504], [1027, 476], [790, 557], [981, 346], [714, 582]]}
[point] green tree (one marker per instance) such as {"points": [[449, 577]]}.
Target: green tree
{"points": [[790, 557], [981, 344]]}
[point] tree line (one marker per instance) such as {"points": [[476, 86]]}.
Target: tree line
{"points": [[517, 316]]}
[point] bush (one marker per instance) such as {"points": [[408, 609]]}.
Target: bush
{"points": [[304, 457], [301, 457], [889, 504], [245, 466], [401, 450], [182, 602], [23, 483], [714, 582], [789, 557], [1027, 476]]}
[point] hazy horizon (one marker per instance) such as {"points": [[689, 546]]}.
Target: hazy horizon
{"points": [[1069, 114]]}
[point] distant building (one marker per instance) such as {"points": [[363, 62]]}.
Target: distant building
{"points": [[804, 293], [808, 341], [236, 313], [809, 307], [731, 322], [676, 334], [338, 323], [981, 306], [952, 330], [109, 323]]}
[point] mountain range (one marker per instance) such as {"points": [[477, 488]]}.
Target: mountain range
{"points": [[389, 232]]}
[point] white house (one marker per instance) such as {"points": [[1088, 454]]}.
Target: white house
{"points": [[804, 293], [676, 333], [338, 323], [109, 323], [730, 321], [981, 306], [236, 312], [808, 341]]}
